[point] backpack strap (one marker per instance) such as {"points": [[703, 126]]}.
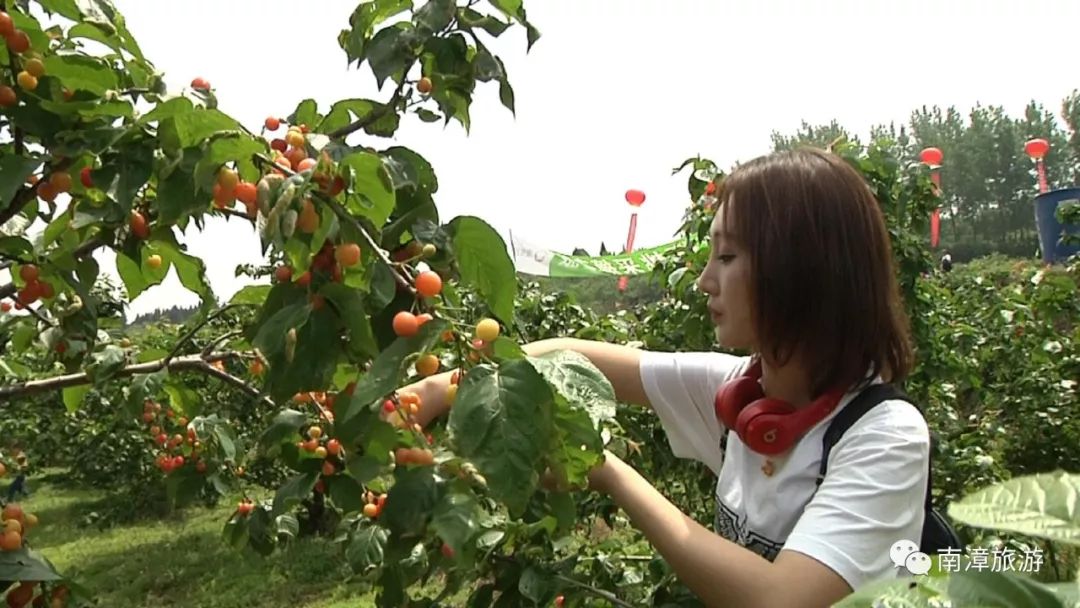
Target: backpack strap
{"points": [[851, 413]]}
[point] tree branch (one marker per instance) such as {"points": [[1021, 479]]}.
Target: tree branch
{"points": [[191, 333], [192, 363], [214, 344], [48, 323], [372, 118]]}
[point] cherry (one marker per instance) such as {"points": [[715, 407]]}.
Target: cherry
{"points": [[347, 254], [8, 98], [427, 365], [487, 330], [405, 324], [428, 284]]}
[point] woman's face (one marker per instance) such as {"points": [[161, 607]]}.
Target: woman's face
{"points": [[726, 281]]}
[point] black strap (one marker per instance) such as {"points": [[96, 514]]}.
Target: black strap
{"points": [[850, 414]]}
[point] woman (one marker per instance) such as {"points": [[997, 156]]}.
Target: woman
{"points": [[801, 275]]}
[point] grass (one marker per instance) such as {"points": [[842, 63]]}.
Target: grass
{"points": [[182, 561]]}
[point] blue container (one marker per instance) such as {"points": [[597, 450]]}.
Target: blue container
{"points": [[1050, 229]]}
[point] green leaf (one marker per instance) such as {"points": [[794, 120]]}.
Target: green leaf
{"points": [[95, 33], [198, 125], [457, 519], [409, 169], [390, 51], [536, 585], [143, 387], [26, 564], [316, 357], [65, 8], [377, 440], [182, 486], [1042, 505], [176, 197], [185, 400], [287, 525], [73, 396], [105, 363], [502, 420], [131, 274], [363, 21], [251, 294], [346, 492], [168, 109], [485, 264], [349, 305], [261, 536], [81, 72], [564, 509], [1001, 589], [284, 427], [15, 169], [347, 111], [190, 269], [235, 532], [294, 490], [271, 337], [23, 336], [367, 548], [233, 147], [575, 377], [103, 15], [435, 15], [134, 166], [372, 182], [511, 8], [226, 438], [506, 92], [306, 113], [16, 245], [471, 18], [506, 348], [409, 501], [485, 67], [386, 369], [427, 115]]}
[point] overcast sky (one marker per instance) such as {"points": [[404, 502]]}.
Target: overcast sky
{"points": [[615, 94]]}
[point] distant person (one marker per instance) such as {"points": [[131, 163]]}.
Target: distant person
{"points": [[946, 262]]}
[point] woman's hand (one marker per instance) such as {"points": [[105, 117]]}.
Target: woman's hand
{"points": [[605, 475]]}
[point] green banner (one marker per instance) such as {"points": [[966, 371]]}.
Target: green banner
{"points": [[529, 259]]}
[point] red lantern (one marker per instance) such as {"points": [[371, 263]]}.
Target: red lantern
{"points": [[1037, 148], [635, 197], [931, 156]]}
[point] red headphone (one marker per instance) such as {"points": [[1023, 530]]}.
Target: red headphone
{"points": [[768, 426]]}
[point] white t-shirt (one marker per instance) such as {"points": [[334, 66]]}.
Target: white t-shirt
{"points": [[872, 496]]}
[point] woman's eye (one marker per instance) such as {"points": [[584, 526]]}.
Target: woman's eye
{"points": [[725, 257]]}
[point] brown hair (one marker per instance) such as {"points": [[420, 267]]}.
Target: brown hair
{"points": [[824, 283]]}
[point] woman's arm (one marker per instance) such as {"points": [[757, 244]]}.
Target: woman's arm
{"points": [[620, 364], [719, 572]]}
